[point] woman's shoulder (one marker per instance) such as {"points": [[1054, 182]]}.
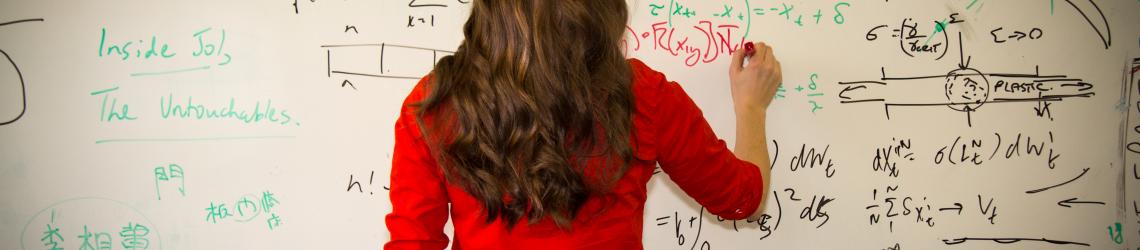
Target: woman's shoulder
{"points": [[643, 74], [419, 91], [648, 84]]}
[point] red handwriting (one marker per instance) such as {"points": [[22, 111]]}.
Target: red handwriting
{"points": [[704, 43]]}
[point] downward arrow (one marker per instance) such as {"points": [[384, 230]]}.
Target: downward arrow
{"points": [[1066, 203]]}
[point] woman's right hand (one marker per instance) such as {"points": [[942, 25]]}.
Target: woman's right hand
{"points": [[753, 87], [754, 83]]}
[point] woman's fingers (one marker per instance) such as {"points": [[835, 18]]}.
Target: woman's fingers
{"points": [[737, 63]]}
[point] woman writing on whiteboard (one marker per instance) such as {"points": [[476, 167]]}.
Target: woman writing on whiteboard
{"points": [[539, 134]]}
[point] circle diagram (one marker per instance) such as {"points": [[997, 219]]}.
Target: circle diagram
{"points": [[966, 89]]}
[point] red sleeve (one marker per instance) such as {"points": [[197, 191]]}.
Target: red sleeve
{"points": [[693, 156], [418, 192]]}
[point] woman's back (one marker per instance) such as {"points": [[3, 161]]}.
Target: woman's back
{"points": [[668, 129], [538, 133]]}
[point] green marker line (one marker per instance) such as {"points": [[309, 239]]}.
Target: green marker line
{"points": [[158, 234], [170, 71], [748, 30], [938, 27], [104, 91], [195, 139]]}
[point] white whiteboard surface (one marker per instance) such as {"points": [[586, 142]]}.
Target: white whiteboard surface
{"points": [[268, 124]]}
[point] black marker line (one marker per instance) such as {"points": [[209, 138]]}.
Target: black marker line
{"points": [[1086, 170], [699, 227], [22, 21], [414, 47], [972, 74], [998, 100], [959, 208], [374, 75], [892, 188], [849, 88], [779, 211], [1034, 75], [350, 45], [774, 158], [997, 147], [1084, 86], [946, 36], [23, 90], [1107, 41], [1043, 98], [382, 44], [962, 63], [347, 83], [863, 82], [1069, 201], [868, 100], [1051, 98], [1059, 80], [1048, 97], [969, 117], [414, 5], [1010, 241]]}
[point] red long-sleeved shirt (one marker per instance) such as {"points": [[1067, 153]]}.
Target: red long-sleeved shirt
{"points": [[669, 130]]}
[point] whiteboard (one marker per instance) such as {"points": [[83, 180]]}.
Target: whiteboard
{"points": [[971, 124]]}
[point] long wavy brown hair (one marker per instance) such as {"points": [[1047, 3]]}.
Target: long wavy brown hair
{"points": [[536, 89]]}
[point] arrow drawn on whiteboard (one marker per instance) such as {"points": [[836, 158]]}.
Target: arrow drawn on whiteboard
{"points": [[963, 61], [1069, 202], [1104, 32], [1086, 170], [348, 83], [959, 208]]}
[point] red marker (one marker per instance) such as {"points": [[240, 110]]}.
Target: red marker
{"points": [[749, 48]]}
